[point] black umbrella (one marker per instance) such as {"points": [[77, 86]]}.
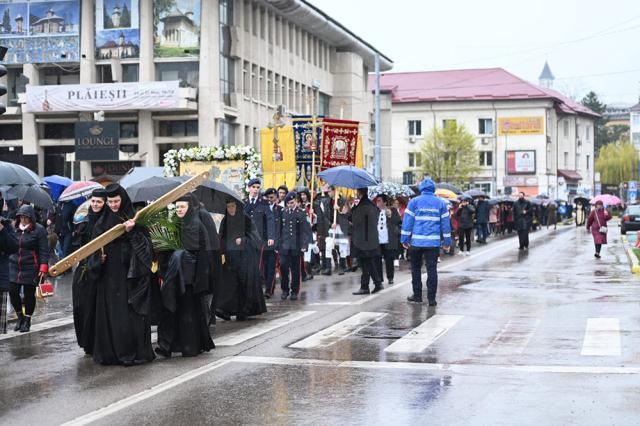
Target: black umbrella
{"points": [[475, 193], [449, 186], [215, 196], [583, 200], [15, 174], [151, 188], [33, 194]]}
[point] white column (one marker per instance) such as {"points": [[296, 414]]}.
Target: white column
{"points": [[30, 144], [147, 73], [87, 60], [210, 104]]}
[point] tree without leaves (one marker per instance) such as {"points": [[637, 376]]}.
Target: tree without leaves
{"points": [[617, 162], [450, 154]]}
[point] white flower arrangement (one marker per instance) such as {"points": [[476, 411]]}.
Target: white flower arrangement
{"points": [[390, 189], [252, 167]]}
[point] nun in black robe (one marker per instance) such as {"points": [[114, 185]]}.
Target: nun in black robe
{"points": [[186, 280], [123, 270], [83, 288], [213, 249], [240, 291]]}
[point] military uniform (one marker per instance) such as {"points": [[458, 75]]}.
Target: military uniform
{"points": [[294, 238], [270, 257]]}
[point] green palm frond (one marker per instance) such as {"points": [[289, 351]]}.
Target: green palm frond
{"points": [[164, 230]]}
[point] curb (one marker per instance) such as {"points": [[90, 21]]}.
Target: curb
{"points": [[633, 259]]}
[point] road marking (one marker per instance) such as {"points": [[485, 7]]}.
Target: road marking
{"points": [[259, 328], [421, 337], [339, 331], [60, 322], [448, 368], [602, 337], [513, 337], [141, 396]]}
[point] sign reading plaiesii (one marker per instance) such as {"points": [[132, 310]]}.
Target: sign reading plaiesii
{"points": [[521, 162], [154, 95]]}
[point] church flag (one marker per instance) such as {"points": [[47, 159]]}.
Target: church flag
{"points": [[339, 143], [302, 130], [278, 165]]}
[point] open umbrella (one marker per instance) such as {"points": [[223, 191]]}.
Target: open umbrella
{"points": [[607, 199], [390, 189], [78, 190], [15, 174], [57, 185], [151, 188], [82, 212], [33, 194], [446, 194], [348, 177], [581, 199], [449, 186], [475, 193], [138, 174], [215, 196]]}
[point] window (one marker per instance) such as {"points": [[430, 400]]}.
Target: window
{"points": [[16, 83], [247, 15], [635, 119], [11, 131], [566, 160], [128, 130], [415, 127], [587, 131], [448, 122], [178, 128], [130, 73], [278, 30], [577, 161], [55, 76], [485, 126], [486, 158], [565, 128], [254, 81], [254, 20], [246, 82], [261, 87], [291, 38], [185, 72], [323, 105], [635, 138], [271, 95], [263, 23], [58, 131], [277, 90], [588, 162], [227, 133], [292, 97], [415, 159], [104, 74], [227, 81]]}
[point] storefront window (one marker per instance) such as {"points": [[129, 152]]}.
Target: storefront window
{"points": [[185, 72], [178, 128]]}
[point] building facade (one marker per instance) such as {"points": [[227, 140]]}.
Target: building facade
{"points": [[634, 128], [529, 138], [258, 55]]}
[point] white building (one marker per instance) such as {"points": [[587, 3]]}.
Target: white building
{"points": [[530, 138], [253, 56], [634, 130]]}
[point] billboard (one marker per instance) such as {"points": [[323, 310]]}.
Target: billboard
{"points": [[40, 31], [520, 126], [521, 162], [176, 28], [117, 29]]}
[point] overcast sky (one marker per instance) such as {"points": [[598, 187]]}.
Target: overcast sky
{"points": [[589, 44]]}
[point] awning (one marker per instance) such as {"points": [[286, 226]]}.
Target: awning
{"points": [[569, 175]]}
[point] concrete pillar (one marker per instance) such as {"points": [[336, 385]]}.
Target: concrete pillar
{"points": [[210, 105], [87, 60], [147, 73], [30, 144]]}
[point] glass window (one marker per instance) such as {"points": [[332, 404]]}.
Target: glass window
{"points": [[415, 127], [485, 126], [588, 162], [185, 72], [263, 23], [566, 159], [130, 73], [178, 128], [587, 130], [128, 130], [58, 131], [323, 105], [55, 76], [486, 158], [246, 82], [246, 11], [291, 37], [254, 19], [635, 119], [227, 133], [415, 159], [11, 131], [16, 83], [565, 128], [104, 74], [227, 81]]}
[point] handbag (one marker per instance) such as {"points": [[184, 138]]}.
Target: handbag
{"points": [[44, 289], [601, 229]]}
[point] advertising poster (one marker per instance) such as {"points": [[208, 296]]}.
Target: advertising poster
{"points": [[521, 162], [40, 31], [117, 29], [177, 28], [520, 126], [97, 140]]}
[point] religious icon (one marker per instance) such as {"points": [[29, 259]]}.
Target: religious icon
{"points": [[339, 149]]}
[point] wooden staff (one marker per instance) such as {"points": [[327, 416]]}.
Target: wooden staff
{"points": [[118, 230]]}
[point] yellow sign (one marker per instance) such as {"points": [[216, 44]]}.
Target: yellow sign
{"points": [[279, 164], [228, 172], [520, 126]]}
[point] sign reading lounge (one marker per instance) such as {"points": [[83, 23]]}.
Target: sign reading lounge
{"points": [[153, 95]]}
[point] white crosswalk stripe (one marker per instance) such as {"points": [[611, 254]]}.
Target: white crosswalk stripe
{"points": [[421, 337], [602, 337], [339, 331]]}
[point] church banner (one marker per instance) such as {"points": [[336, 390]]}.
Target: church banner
{"points": [[278, 165], [151, 95], [228, 172], [40, 31], [177, 25], [302, 131], [339, 143], [117, 29]]}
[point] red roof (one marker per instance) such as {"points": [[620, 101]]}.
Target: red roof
{"points": [[469, 85]]}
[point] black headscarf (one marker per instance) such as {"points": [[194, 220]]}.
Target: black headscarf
{"points": [[234, 226], [110, 219], [191, 226], [93, 217]]}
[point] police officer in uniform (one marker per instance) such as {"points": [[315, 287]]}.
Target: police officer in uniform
{"points": [[294, 240], [270, 256], [257, 208]]}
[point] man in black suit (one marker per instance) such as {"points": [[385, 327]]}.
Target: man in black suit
{"points": [[294, 240], [270, 255], [522, 216], [257, 208], [365, 243]]}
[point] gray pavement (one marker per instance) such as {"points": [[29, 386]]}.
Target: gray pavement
{"points": [[547, 336]]}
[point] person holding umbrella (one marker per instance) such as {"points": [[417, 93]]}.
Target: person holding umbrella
{"points": [[365, 242], [8, 246], [597, 224], [522, 215], [464, 214]]}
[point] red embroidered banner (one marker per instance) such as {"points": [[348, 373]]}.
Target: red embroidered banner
{"points": [[339, 143]]}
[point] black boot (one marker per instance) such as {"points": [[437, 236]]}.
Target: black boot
{"points": [[26, 324], [326, 263], [19, 322], [307, 268], [343, 266]]}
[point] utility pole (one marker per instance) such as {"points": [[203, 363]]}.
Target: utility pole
{"points": [[378, 149]]}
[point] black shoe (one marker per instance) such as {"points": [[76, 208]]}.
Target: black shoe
{"points": [[377, 288], [26, 324], [284, 296], [520, 248], [162, 352], [19, 322], [267, 295], [294, 296], [306, 278], [241, 318], [222, 315], [414, 299], [433, 303], [361, 291], [597, 255], [390, 282]]}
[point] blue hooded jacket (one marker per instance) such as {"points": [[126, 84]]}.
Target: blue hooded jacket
{"points": [[426, 219]]}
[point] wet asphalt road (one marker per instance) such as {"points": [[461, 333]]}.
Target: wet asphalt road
{"points": [[548, 336]]}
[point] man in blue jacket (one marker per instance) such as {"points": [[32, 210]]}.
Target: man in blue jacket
{"points": [[426, 222]]}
